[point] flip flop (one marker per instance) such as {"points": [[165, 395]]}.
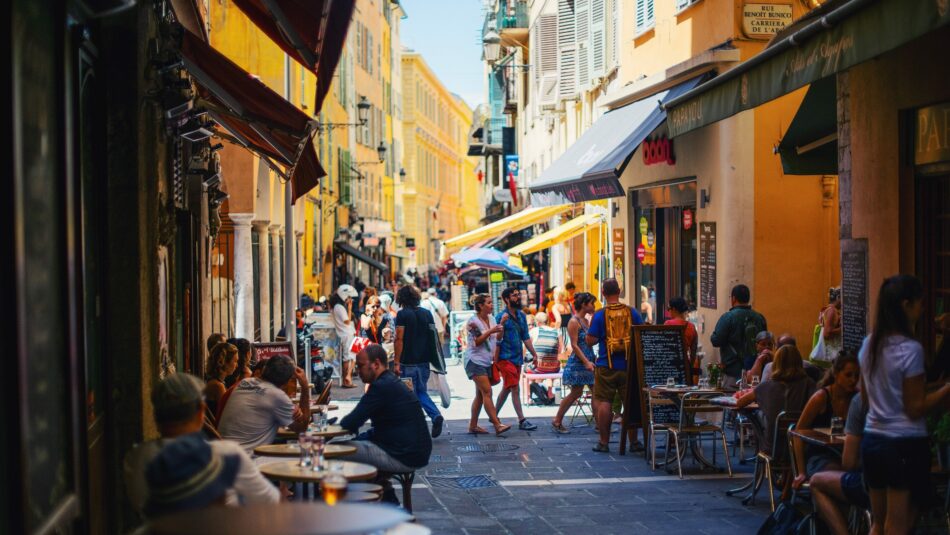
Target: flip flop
{"points": [[559, 428], [477, 431], [500, 430]]}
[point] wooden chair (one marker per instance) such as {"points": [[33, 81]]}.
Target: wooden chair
{"points": [[324, 396], [694, 403]]}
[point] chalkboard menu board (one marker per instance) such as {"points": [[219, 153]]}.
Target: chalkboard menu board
{"points": [[854, 293], [660, 355], [707, 265]]}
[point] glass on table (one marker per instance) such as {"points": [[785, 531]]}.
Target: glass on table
{"points": [[334, 484], [670, 382], [317, 447], [755, 381], [837, 426], [319, 417], [304, 443]]}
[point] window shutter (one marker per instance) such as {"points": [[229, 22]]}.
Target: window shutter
{"points": [[598, 29], [547, 62], [645, 19], [582, 23], [612, 47], [567, 50]]}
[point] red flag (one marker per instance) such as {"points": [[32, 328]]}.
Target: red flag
{"points": [[514, 188]]}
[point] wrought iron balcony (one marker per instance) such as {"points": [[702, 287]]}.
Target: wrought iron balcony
{"points": [[512, 14]]}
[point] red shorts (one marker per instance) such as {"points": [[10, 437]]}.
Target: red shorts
{"points": [[510, 374]]}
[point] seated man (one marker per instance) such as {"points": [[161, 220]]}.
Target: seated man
{"points": [[833, 489], [188, 474], [179, 409], [399, 439], [257, 407]]}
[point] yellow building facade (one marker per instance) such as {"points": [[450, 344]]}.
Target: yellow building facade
{"points": [[439, 193]]}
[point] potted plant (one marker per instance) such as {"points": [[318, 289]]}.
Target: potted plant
{"points": [[940, 432]]}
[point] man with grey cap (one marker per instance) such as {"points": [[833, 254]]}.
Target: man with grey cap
{"points": [[258, 406], [178, 407]]}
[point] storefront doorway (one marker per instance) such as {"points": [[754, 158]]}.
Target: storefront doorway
{"points": [[933, 253], [664, 247]]}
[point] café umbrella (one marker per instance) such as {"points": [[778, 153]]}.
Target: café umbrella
{"points": [[488, 258]]}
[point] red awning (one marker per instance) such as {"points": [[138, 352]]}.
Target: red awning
{"points": [[255, 115], [310, 31]]}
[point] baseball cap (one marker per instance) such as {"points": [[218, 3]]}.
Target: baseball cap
{"points": [[187, 474], [431, 291], [177, 398], [345, 290]]}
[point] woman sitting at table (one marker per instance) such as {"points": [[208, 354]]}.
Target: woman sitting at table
{"points": [[832, 399], [222, 362], [787, 389]]}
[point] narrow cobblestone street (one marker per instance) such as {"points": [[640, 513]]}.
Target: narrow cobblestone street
{"points": [[542, 482]]}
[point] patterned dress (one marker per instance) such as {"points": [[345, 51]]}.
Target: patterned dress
{"points": [[574, 372]]}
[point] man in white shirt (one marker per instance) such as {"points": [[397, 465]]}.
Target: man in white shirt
{"points": [[179, 409], [257, 407]]}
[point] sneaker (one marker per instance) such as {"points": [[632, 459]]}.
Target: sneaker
{"points": [[637, 447], [525, 425], [437, 426], [601, 448]]}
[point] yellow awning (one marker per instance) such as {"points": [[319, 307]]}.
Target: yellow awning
{"points": [[562, 233], [514, 222]]}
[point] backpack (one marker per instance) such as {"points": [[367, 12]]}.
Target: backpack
{"points": [[617, 321], [539, 395], [750, 329], [785, 520]]}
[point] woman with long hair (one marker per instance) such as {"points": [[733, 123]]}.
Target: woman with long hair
{"points": [[481, 330], [243, 369], [375, 322], [832, 399], [561, 311], [222, 361], [787, 389], [579, 370], [895, 447]]}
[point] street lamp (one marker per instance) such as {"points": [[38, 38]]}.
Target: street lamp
{"points": [[492, 45], [362, 114], [402, 173], [381, 151]]}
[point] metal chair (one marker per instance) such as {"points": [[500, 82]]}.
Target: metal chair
{"points": [[583, 408], [653, 402], [805, 489], [766, 464], [694, 403]]}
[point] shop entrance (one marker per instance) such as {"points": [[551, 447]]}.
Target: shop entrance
{"points": [[664, 235], [933, 254]]}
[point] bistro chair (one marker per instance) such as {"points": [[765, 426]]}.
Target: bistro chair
{"points": [[804, 491], [777, 460], [324, 396], [654, 401], [694, 403], [582, 407]]}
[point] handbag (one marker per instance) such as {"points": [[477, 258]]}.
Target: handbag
{"points": [[495, 376], [445, 392], [358, 344]]}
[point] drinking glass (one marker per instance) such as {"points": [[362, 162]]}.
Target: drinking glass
{"points": [[320, 417], [304, 442], [755, 381], [670, 382], [837, 426], [317, 446], [333, 487]]}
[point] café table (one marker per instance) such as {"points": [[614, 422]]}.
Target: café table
{"points": [[285, 519], [820, 436], [678, 392], [330, 451], [330, 432], [292, 472]]}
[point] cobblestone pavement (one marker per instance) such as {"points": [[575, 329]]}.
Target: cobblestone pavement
{"points": [[542, 482]]}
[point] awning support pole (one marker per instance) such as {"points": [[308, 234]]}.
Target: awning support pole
{"points": [[290, 269]]}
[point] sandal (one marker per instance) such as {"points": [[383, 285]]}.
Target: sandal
{"points": [[601, 448], [500, 430], [477, 431], [348, 386], [559, 428]]}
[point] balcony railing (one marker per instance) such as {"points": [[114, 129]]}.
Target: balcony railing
{"points": [[512, 14]]}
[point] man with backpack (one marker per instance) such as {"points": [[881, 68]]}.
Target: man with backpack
{"points": [[512, 340], [612, 329], [735, 334]]}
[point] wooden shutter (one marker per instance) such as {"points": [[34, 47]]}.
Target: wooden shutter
{"points": [[546, 70], [567, 50], [644, 15], [612, 48], [582, 25], [598, 31]]}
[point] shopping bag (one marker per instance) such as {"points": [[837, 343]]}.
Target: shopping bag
{"points": [[444, 391]]}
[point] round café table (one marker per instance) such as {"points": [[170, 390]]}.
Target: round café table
{"points": [[292, 472], [356, 496], [330, 451], [330, 432], [283, 519]]}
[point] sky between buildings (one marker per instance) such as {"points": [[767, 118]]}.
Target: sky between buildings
{"points": [[448, 35]]}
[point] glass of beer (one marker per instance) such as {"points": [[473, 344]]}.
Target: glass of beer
{"points": [[333, 487]]}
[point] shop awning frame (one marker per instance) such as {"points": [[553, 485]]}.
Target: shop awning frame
{"points": [[559, 234], [361, 256], [830, 39], [517, 221], [590, 168], [809, 146]]}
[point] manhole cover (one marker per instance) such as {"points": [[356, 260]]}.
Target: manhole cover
{"points": [[448, 470], [480, 481], [492, 447]]}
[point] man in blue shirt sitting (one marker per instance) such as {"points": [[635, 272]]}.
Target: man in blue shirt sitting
{"points": [[611, 326], [511, 353]]}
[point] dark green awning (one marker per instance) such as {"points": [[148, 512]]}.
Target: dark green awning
{"points": [[810, 145], [850, 33]]}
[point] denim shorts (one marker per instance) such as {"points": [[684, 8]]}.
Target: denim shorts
{"points": [[897, 463], [473, 370], [852, 486]]}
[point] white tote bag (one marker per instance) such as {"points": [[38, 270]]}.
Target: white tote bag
{"points": [[444, 391]]}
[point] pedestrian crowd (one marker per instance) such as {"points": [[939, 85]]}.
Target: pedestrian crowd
{"points": [[882, 394]]}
